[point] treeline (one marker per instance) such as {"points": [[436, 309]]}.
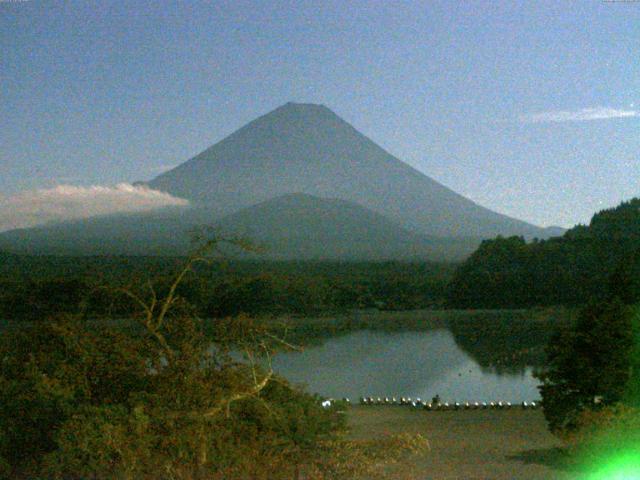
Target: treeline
{"points": [[587, 263], [48, 286]]}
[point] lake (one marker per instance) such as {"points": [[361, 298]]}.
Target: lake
{"points": [[408, 363]]}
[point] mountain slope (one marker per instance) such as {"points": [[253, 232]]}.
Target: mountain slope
{"points": [[306, 227], [162, 232], [307, 148], [294, 226]]}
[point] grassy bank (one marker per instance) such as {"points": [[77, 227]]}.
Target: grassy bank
{"points": [[473, 444], [417, 320]]}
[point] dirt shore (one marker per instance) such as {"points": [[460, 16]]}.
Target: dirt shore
{"points": [[470, 444]]}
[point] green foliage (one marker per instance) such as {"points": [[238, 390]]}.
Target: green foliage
{"points": [[632, 394], [587, 361], [50, 370], [594, 262], [82, 399]]}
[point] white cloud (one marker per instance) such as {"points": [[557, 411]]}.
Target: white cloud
{"points": [[68, 202], [585, 114]]}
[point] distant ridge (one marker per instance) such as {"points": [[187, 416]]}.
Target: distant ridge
{"points": [[163, 232], [309, 149], [307, 227], [293, 226]]}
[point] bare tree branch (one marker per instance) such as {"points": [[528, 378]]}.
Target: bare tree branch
{"points": [[226, 403]]}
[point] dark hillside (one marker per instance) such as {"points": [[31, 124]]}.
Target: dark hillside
{"points": [[591, 261], [310, 228]]}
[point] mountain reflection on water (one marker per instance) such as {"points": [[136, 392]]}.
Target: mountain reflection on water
{"points": [[409, 363]]}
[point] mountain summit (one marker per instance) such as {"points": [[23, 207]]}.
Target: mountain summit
{"points": [[309, 149]]}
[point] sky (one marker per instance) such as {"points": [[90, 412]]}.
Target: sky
{"points": [[531, 109]]}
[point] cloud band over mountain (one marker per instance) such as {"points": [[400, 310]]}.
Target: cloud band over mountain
{"points": [[68, 202], [585, 114]]}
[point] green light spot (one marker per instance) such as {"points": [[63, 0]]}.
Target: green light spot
{"points": [[624, 467]]}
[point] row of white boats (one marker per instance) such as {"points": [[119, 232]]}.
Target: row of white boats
{"points": [[418, 403]]}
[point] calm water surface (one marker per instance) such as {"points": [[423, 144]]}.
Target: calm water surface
{"points": [[412, 364]]}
